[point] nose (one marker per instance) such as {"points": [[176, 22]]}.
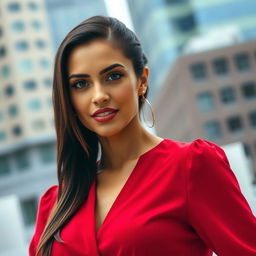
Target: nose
{"points": [[100, 96]]}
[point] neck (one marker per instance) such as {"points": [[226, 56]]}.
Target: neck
{"points": [[126, 146]]}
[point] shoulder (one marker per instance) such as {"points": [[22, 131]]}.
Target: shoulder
{"points": [[203, 151], [207, 163], [196, 148], [47, 200], [50, 193], [199, 154], [46, 203]]}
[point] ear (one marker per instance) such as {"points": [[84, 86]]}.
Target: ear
{"points": [[143, 81]]}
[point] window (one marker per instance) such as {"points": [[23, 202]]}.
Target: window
{"points": [[2, 51], [9, 91], [30, 85], [249, 90], [234, 124], [14, 7], [41, 44], [1, 116], [205, 102], [242, 62], [45, 63], [22, 159], [29, 210], [18, 26], [227, 95], [4, 165], [220, 67], [247, 149], [252, 119], [212, 129], [21, 46], [2, 136], [198, 71], [1, 32], [176, 1], [13, 110], [47, 153], [185, 23], [26, 66], [47, 82], [37, 25], [33, 6], [5, 71], [16, 130], [34, 104]]}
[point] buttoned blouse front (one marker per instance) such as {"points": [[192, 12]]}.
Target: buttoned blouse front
{"points": [[180, 199]]}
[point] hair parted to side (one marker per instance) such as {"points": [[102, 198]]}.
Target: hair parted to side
{"points": [[77, 146]]}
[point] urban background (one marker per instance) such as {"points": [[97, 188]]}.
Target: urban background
{"points": [[202, 61]]}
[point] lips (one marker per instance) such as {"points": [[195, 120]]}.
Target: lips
{"points": [[104, 112]]}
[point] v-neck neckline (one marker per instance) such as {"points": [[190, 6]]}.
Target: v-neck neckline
{"points": [[124, 187]]}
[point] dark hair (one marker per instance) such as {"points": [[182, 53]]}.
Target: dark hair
{"points": [[76, 165]]}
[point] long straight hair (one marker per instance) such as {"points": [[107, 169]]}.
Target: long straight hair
{"points": [[77, 146]]}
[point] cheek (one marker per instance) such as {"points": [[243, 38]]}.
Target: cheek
{"points": [[127, 93], [79, 102]]}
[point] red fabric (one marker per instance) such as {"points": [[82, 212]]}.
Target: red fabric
{"points": [[182, 199]]}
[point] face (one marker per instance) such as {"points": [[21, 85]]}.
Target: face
{"points": [[104, 88]]}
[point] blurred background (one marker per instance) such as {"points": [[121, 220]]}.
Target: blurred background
{"points": [[202, 60]]}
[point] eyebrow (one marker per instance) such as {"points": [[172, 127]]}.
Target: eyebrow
{"points": [[101, 72]]}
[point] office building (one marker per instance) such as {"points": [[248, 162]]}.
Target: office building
{"points": [[27, 137], [211, 95], [63, 15], [166, 26]]}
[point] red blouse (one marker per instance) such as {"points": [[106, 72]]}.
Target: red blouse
{"points": [[181, 199]]}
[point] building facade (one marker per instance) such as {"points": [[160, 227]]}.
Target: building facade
{"points": [[211, 95], [30, 31], [166, 26], [27, 141], [63, 15]]}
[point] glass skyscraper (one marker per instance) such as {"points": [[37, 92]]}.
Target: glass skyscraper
{"points": [[166, 26], [63, 15]]}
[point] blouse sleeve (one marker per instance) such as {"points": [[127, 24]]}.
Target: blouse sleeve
{"points": [[217, 209], [46, 203]]}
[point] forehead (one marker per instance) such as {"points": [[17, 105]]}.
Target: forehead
{"points": [[94, 56]]}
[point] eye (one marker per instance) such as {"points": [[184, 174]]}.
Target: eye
{"points": [[115, 76], [79, 84]]}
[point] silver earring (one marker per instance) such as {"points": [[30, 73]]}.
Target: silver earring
{"points": [[144, 99]]}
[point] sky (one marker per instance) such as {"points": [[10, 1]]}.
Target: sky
{"points": [[119, 9]]}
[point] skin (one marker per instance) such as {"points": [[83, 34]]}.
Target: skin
{"points": [[117, 88]]}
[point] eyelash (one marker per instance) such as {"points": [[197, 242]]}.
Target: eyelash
{"points": [[74, 85], [116, 73]]}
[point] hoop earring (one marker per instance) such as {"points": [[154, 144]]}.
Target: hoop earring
{"points": [[144, 99]]}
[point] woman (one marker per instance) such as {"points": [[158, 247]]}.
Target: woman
{"points": [[146, 195]]}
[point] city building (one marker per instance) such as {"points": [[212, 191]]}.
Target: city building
{"points": [[211, 95], [27, 137], [63, 15], [166, 26], [30, 31]]}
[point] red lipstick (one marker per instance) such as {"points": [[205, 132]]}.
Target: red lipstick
{"points": [[104, 114]]}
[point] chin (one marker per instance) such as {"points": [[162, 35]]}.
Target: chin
{"points": [[108, 132]]}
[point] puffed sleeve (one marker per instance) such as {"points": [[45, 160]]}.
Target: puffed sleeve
{"points": [[217, 209], [45, 205]]}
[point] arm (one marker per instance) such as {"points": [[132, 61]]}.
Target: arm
{"points": [[46, 203], [216, 207]]}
